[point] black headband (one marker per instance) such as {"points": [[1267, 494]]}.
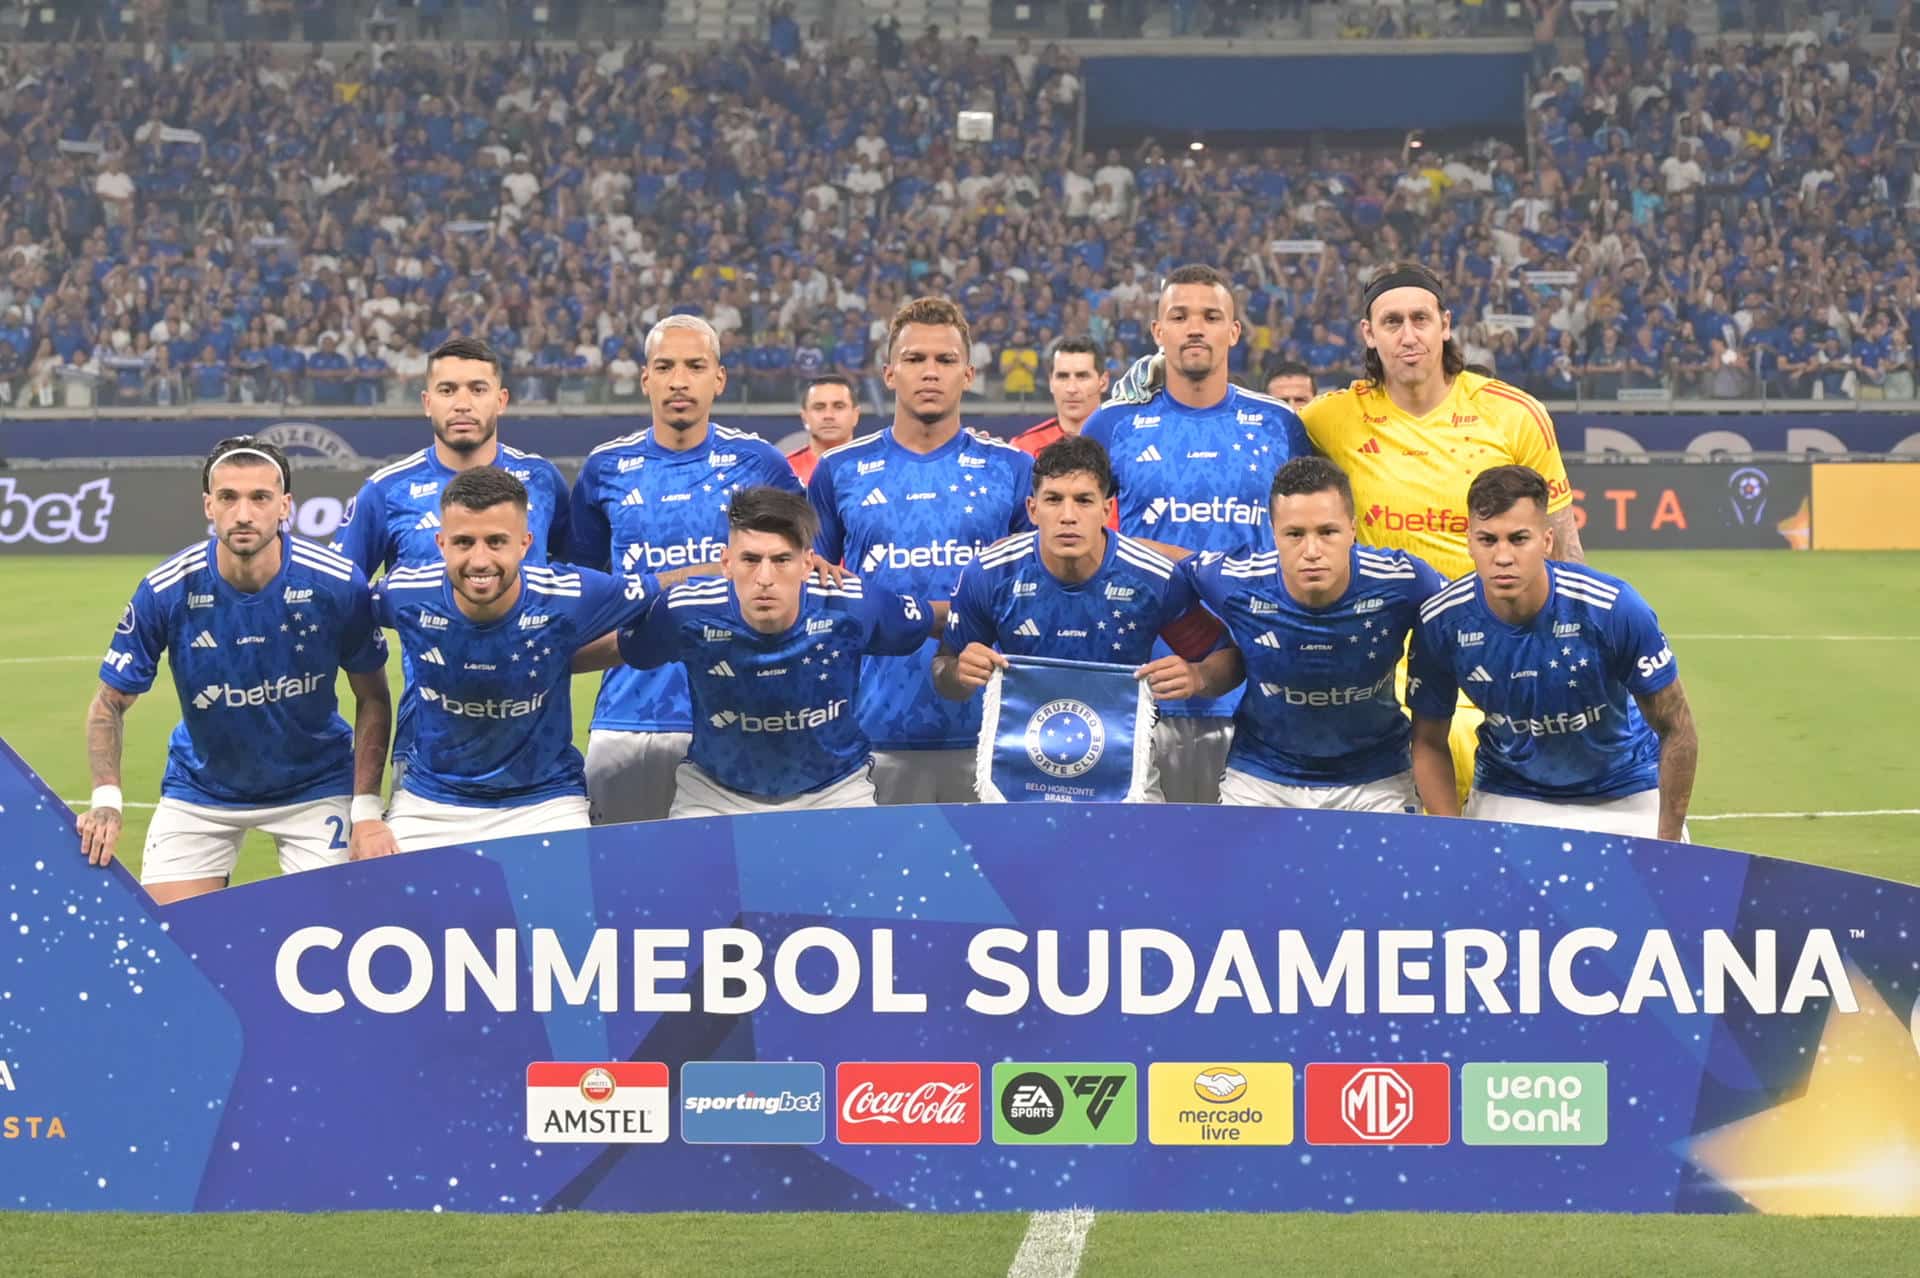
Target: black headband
{"points": [[1405, 277]]}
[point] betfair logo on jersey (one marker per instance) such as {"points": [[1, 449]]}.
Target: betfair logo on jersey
{"points": [[264, 693], [1566, 629], [1221, 510], [292, 596], [802, 720], [690, 553], [1353, 694], [1649, 666], [941, 554], [504, 708], [535, 620], [871, 467], [1119, 594], [421, 490], [118, 660], [199, 601], [1553, 725], [629, 463], [1444, 520], [432, 621]]}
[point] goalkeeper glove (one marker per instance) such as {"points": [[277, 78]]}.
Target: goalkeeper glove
{"points": [[1141, 382]]}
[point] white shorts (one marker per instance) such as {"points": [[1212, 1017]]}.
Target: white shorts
{"points": [[698, 795], [1190, 755], [192, 841], [1388, 794], [630, 774], [419, 823], [1637, 815], [923, 776]]}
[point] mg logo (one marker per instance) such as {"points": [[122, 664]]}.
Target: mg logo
{"points": [[1376, 1104]]}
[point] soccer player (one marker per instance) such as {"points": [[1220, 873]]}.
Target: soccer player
{"points": [[394, 521], [254, 623], [1078, 382], [775, 665], [1418, 427], [830, 412], [1073, 590], [656, 501], [1586, 725], [906, 508], [489, 639], [1194, 462], [1320, 621], [1292, 385]]}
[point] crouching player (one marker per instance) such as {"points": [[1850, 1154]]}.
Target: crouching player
{"points": [[489, 641], [773, 662], [1570, 668], [254, 623], [1076, 590], [1320, 622]]}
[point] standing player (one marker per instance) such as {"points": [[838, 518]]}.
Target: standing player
{"points": [[489, 639], [829, 411], [1292, 385], [1417, 429], [395, 519], [1321, 622], [1194, 462], [1570, 668], [774, 661], [254, 624], [656, 501], [1073, 590], [906, 508], [1078, 382]]}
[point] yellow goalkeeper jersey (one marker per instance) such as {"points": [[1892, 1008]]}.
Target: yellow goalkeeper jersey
{"points": [[1410, 474]]}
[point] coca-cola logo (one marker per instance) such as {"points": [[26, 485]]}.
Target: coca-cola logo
{"points": [[909, 1103]]}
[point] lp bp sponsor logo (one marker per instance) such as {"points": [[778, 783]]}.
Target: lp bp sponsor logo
{"points": [[597, 1103], [1400, 1104], [1215, 1103], [1556, 1103], [753, 1102], [908, 1103], [1074, 1104]]}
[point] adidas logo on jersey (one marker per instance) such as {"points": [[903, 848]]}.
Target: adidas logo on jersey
{"points": [[429, 520], [629, 463], [1027, 629], [1371, 446], [204, 640], [720, 670], [432, 657], [421, 490], [1268, 640], [874, 498], [432, 621], [199, 601], [1149, 454], [290, 595], [633, 499], [1479, 675]]}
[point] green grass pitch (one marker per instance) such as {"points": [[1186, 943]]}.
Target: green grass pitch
{"points": [[1817, 722]]}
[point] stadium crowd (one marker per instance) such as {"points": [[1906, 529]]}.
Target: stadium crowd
{"points": [[1723, 219]]}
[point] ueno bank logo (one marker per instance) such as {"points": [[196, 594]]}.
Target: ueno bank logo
{"points": [[908, 1103], [1398, 1104]]}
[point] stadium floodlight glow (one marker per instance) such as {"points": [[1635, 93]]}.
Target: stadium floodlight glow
{"points": [[1196, 145]]}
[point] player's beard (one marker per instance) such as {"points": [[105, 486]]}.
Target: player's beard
{"points": [[265, 540], [1195, 362], [488, 429]]}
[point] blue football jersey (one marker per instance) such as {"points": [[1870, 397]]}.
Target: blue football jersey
{"points": [[908, 522], [640, 507], [259, 723], [776, 715], [1319, 707], [1558, 692], [1007, 599], [1198, 478], [495, 721]]}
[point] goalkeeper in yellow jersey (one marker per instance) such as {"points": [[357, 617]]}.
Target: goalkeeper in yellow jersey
{"points": [[1414, 432]]}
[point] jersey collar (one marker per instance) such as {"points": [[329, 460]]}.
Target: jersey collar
{"points": [[233, 594]]}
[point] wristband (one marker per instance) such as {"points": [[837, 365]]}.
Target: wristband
{"points": [[367, 807], [106, 796]]}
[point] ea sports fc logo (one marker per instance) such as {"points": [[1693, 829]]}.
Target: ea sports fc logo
{"points": [[1065, 738]]}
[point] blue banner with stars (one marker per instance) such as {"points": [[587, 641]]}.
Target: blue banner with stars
{"points": [[1056, 731]]}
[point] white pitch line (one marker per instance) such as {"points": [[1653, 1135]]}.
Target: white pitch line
{"points": [[87, 803], [1815, 638], [1789, 816], [1053, 1243], [41, 661]]}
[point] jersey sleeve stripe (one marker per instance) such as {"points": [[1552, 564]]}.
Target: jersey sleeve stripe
{"points": [[852, 443], [1440, 603], [1533, 410], [828, 592], [394, 468], [1010, 551], [174, 569], [1568, 575], [557, 592], [1598, 601], [1385, 574], [424, 583], [986, 438], [323, 566], [623, 441], [1144, 551], [1157, 566]]}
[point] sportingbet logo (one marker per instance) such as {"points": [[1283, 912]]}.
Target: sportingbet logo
{"points": [[1556, 725], [264, 693], [753, 1102], [908, 1103], [673, 554], [802, 720], [1428, 520], [292, 596], [504, 708], [1659, 661], [53, 519], [941, 554], [1221, 510], [1321, 697]]}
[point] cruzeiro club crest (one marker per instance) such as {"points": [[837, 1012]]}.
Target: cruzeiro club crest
{"points": [[1065, 738]]}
